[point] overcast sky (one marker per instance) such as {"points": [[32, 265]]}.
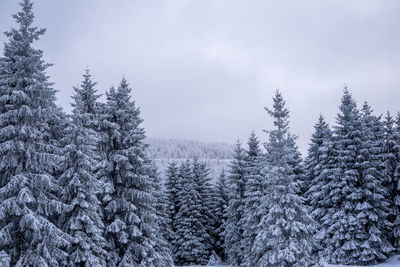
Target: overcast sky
{"points": [[205, 69]]}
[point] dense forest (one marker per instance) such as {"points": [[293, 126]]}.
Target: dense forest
{"points": [[81, 189]]}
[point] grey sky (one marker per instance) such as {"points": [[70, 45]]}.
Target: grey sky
{"points": [[205, 69]]}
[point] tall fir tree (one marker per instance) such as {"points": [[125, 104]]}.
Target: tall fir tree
{"points": [[220, 206], [392, 174], [80, 186], [285, 233], [340, 223], [373, 208], [162, 229], [201, 177], [255, 162], [173, 185], [29, 204], [192, 237], [130, 216], [353, 231], [234, 227], [317, 173]]}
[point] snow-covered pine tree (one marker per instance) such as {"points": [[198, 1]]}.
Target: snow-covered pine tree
{"points": [[201, 178], [80, 186], [340, 224], [220, 206], [162, 232], [317, 160], [233, 226], [191, 237], [392, 174], [130, 217], [317, 173], [172, 187], [28, 201], [353, 233], [285, 233], [373, 208], [86, 101], [255, 162]]}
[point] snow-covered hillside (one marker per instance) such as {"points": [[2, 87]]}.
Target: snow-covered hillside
{"points": [[216, 155]]}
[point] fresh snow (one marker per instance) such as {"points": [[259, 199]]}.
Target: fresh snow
{"points": [[393, 261]]}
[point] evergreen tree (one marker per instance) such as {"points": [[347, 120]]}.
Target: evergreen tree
{"points": [[130, 216], [162, 232], [317, 160], [340, 224], [220, 206], [234, 228], [191, 244], [201, 178], [28, 200], [284, 236], [173, 186], [86, 101], [80, 186], [392, 172], [255, 162], [354, 234], [317, 173], [373, 209]]}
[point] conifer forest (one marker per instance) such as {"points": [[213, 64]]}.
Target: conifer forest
{"points": [[80, 188]]}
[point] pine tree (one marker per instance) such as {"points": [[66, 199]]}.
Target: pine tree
{"points": [[201, 178], [317, 159], [255, 162], [373, 209], [355, 221], [81, 187], [86, 101], [162, 231], [284, 236], [130, 216], [392, 172], [317, 173], [234, 228], [173, 185], [341, 245], [29, 203], [220, 206], [191, 244]]}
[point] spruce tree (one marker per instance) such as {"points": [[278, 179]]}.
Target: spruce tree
{"points": [[317, 173], [392, 173], [255, 162], [173, 186], [28, 199], [340, 224], [284, 236], [356, 219], [234, 227], [162, 227], [373, 209], [220, 206], [80, 186], [130, 216], [201, 177], [192, 238]]}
